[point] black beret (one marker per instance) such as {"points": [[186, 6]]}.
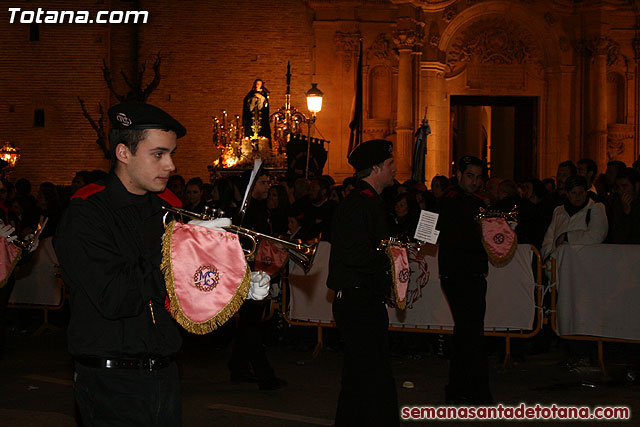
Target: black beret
{"points": [[370, 153], [138, 116], [471, 161]]}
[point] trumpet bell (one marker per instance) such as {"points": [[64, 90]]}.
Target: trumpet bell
{"points": [[304, 254]]}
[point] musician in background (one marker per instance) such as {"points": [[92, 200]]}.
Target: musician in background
{"points": [[360, 275], [248, 362], [463, 266]]}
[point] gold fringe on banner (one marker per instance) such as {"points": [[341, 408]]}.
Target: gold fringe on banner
{"points": [[220, 318]]}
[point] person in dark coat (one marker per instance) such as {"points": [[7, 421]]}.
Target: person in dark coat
{"points": [[463, 266], [248, 361], [360, 276], [108, 243], [625, 212]]}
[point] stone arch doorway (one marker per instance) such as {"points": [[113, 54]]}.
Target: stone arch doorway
{"points": [[502, 130], [491, 53]]}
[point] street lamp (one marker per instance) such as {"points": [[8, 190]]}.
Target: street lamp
{"points": [[314, 105]]}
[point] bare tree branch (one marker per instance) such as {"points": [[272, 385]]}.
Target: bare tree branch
{"points": [[156, 78], [135, 93], [106, 73], [98, 127], [133, 87]]}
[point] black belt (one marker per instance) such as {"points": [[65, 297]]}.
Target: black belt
{"points": [[360, 292], [147, 363]]}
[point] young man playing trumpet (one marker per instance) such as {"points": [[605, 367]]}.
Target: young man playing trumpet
{"points": [[108, 244], [361, 277]]}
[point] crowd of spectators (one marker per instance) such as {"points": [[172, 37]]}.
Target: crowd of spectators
{"points": [[302, 209], [578, 206]]}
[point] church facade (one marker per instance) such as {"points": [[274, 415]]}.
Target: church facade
{"points": [[524, 84]]}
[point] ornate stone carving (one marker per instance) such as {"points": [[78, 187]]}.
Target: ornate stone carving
{"points": [[493, 41], [619, 137], [407, 38], [381, 48], [434, 41], [430, 5], [377, 128], [603, 45], [449, 14], [348, 44]]}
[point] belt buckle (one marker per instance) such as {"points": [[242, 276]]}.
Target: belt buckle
{"points": [[152, 362], [339, 294]]}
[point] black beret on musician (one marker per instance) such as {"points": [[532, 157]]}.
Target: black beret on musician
{"points": [[140, 116], [370, 153], [471, 161]]}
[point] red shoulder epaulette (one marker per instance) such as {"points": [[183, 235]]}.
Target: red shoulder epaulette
{"points": [[168, 196], [367, 192], [88, 190], [451, 193], [479, 196]]}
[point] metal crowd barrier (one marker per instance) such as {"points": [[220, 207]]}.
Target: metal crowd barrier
{"points": [[39, 285], [594, 264], [504, 332]]}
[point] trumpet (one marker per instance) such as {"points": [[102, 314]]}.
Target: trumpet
{"points": [[300, 253], [511, 216], [393, 241], [24, 245]]}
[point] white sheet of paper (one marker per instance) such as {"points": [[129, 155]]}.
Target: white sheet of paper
{"points": [[426, 229]]}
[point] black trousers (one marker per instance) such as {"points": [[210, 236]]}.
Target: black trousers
{"points": [[128, 397], [368, 394], [248, 352], [469, 367]]}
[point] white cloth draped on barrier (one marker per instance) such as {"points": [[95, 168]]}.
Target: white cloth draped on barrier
{"points": [[36, 281], [309, 297], [598, 291], [510, 293]]}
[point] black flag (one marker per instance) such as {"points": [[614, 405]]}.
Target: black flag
{"points": [[355, 126], [420, 150]]}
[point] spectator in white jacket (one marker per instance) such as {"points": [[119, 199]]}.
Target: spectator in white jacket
{"points": [[579, 221]]}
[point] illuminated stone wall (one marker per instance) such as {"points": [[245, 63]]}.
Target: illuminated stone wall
{"points": [[577, 58]]}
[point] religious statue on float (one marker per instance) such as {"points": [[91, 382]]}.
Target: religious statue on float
{"points": [[255, 112]]}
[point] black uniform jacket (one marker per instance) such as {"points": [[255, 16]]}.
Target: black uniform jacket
{"points": [[108, 245], [358, 226], [460, 248]]}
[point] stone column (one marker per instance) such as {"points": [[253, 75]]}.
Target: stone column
{"points": [[406, 39], [436, 100], [560, 145], [596, 145]]}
